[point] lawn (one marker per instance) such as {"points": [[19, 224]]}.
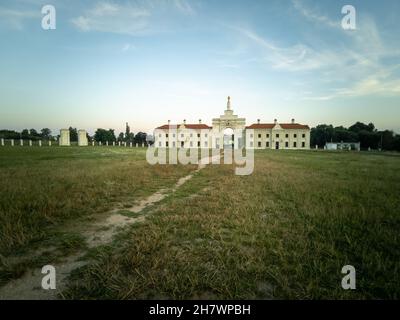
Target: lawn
{"points": [[285, 231], [44, 187]]}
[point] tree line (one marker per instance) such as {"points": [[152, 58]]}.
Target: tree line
{"points": [[101, 135], [366, 134], [32, 134]]}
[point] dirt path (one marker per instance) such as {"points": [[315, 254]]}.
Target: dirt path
{"points": [[28, 287]]}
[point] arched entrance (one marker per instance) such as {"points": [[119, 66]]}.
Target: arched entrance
{"points": [[228, 129], [229, 138]]}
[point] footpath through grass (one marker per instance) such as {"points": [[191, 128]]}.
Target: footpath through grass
{"points": [[42, 188], [286, 231]]}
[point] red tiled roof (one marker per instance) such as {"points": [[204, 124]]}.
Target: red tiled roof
{"points": [[294, 126], [261, 126], [189, 126], [283, 126]]}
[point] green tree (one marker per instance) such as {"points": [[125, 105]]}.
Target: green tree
{"points": [[140, 137], [25, 134], [104, 135], [121, 137], [45, 133], [359, 126], [33, 133], [73, 134]]}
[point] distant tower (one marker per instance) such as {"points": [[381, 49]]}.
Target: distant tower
{"points": [[228, 104]]}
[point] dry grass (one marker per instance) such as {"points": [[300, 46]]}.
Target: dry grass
{"points": [[283, 232], [42, 188]]}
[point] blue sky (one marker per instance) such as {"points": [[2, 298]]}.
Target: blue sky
{"points": [[150, 61]]}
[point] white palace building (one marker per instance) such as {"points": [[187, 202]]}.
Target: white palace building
{"points": [[231, 131]]}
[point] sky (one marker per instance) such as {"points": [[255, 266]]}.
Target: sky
{"points": [[149, 61]]}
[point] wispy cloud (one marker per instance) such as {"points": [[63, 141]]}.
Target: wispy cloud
{"points": [[314, 16], [128, 47], [15, 19], [184, 7], [379, 84], [359, 58], [131, 18], [298, 57], [113, 17]]}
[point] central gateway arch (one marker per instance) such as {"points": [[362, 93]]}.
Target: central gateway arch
{"points": [[228, 130]]}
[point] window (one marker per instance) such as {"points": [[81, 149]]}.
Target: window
{"points": [[191, 135], [251, 136], [267, 135], [259, 144], [182, 144], [267, 144], [206, 135], [198, 135], [173, 135], [173, 144], [206, 144], [259, 135], [191, 144], [303, 135], [166, 144], [287, 135], [294, 144], [198, 144], [277, 135], [286, 144], [303, 144], [182, 135], [295, 135], [159, 144], [159, 135]]}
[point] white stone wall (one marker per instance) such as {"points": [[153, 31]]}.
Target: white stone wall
{"points": [[64, 137], [82, 138]]}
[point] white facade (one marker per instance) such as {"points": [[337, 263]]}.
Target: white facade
{"points": [[183, 136], [278, 136], [230, 131]]}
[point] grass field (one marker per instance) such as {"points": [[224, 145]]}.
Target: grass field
{"points": [[285, 231]]}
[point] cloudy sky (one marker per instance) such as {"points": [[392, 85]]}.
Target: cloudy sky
{"points": [[149, 61]]}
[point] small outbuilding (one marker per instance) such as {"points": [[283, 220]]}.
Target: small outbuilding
{"points": [[343, 146]]}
